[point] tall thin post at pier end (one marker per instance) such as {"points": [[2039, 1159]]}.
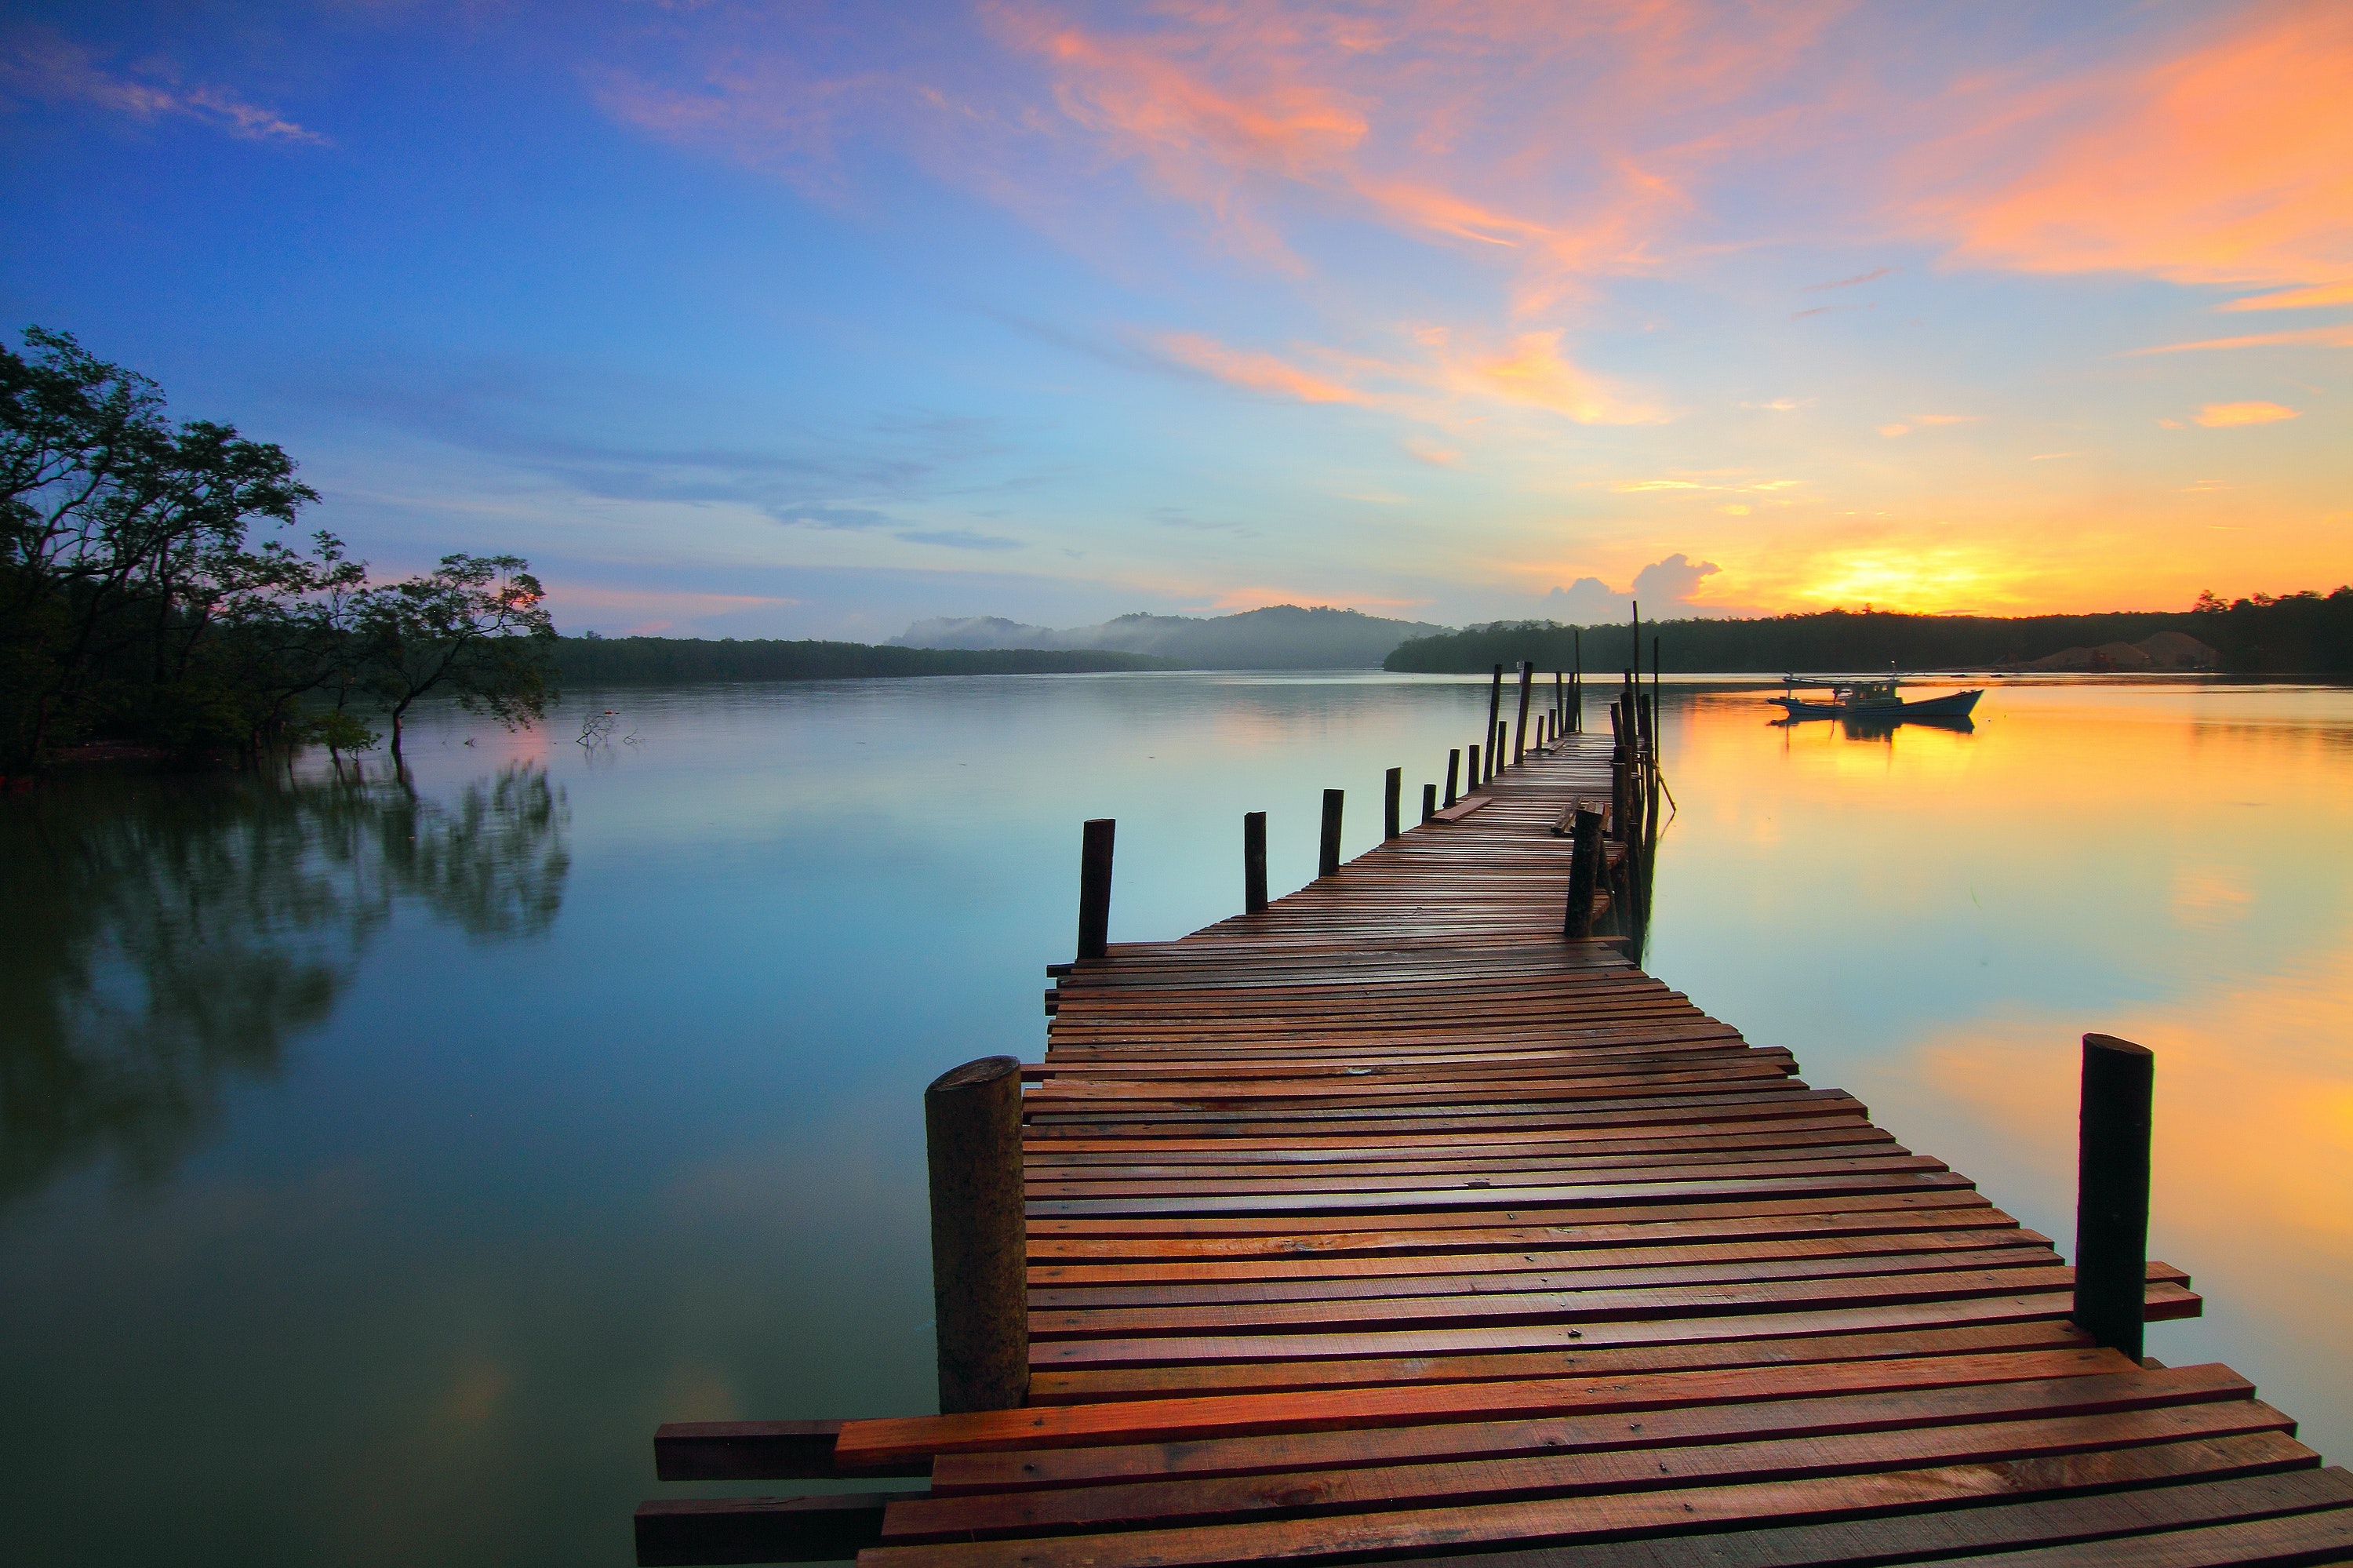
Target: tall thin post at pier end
{"points": [[1520, 735], [1429, 801], [1494, 716], [1327, 854], [2112, 1191], [1094, 888], [980, 1288], [1392, 788], [1253, 861], [1453, 771]]}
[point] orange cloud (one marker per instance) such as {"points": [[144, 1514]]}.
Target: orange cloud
{"points": [[1255, 372], [2325, 337], [2294, 299], [2232, 162], [1529, 371], [2224, 415]]}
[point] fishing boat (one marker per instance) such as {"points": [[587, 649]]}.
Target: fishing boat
{"points": [[1876, 699]]}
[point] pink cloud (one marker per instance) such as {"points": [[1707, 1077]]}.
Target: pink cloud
{"points": [[44, 65], [2231, 162]]}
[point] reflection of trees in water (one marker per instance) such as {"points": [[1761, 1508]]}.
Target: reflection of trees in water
{"points": [[161, 938]]}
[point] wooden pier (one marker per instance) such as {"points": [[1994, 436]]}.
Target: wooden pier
{"points": [[1386, 1222]]}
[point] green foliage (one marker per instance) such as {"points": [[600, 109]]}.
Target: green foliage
{"points": [[2301, 635], [133, 606]]}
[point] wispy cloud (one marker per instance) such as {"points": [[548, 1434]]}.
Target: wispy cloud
{"points": [[2224, 415], [2294, 299], [2324, 337], [1430, 379], [1872, 276], [2231, 162], [49, 67]]}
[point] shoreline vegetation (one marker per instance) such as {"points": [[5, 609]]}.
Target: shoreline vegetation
{"points": [[593, 659], [139, 618], [2299, 634]]}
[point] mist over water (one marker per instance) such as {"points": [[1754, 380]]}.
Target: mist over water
{"points": [[379, 1166]]}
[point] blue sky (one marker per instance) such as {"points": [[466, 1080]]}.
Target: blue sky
{"points": [[806, 320]]}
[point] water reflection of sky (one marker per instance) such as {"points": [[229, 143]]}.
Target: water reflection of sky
{"points": [[392, 1165]]}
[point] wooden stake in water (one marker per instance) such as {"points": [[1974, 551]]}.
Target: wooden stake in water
{"points": [[1328, 854], [1253, 862], [1429, 801], [2112, 1191], [1473, 778], [1520, 734], [1494, 712], [1584, 872], [1094, 888], [1392, 788], [980, 1285], [1453, 771]]}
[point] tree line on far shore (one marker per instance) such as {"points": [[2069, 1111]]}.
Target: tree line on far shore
{"points": [[592, 659], [2306, 633], [135, 608]]}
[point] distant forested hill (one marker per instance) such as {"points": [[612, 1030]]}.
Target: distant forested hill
{"points": [[590, 660], [2303, 633], [1280, 636]]}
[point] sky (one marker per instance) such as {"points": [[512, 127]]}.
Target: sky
{"points": [[814, 320]]}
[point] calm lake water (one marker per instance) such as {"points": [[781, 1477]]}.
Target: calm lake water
{"points": [[378, 1169]]}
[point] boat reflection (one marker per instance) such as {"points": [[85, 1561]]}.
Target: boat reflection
{"points": [[1878, 726]]}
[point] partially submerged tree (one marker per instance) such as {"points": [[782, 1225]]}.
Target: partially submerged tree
{"points": [[475, 627]]}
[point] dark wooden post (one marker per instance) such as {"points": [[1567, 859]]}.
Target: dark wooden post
{"points": [[1649, 730], [1559, 703], [1392, 786], [1453, 771], [1429, 801], [1472, 782], [1253, 861], [2112, 1191], [1577, 683], [1494, 712], [1519, 733], [1584, 869], [1656, 729], [980, 1284], [1094, 888], [1328, 854], [1501, 741]]}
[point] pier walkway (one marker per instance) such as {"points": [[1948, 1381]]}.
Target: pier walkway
{"points": [[1387, 1223]]}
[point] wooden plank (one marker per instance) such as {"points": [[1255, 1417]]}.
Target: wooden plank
{"points": [[760, 1529], [1424, 1532], [900, 1440], [1946, 1534], [1904, 1395], [1562, 1474]]}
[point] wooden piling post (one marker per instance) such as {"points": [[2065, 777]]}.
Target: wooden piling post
{"points": [[980, 1287], [1094, 888], [1328, 854], [1453, 771], [1584, 871], [2112, 1191], [1576, 682], [1429, 801], [1472, 778], [1519, 733], [1253, 862], [1494, 716], [1392, 787], [1499, 741]]}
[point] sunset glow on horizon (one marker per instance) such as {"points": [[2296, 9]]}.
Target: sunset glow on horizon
{"points": [[752, 321]]}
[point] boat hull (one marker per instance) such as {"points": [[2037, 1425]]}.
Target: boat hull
{"points": [[1951, 705]]}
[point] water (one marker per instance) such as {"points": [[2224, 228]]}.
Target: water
{"points": [[378, 1167]]}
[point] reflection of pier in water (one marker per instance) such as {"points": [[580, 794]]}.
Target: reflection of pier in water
{"points": [[165, 937], [1390, 1221]]}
